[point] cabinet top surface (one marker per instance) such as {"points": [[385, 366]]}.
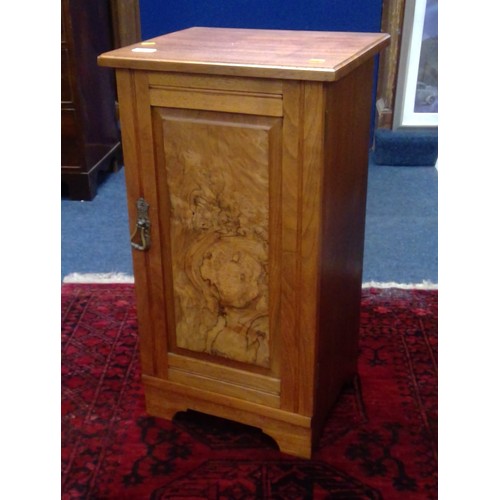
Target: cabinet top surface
{"points": [[307, 55]]}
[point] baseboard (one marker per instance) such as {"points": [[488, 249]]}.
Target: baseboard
{"points": [[125, 278], [424, 285], [98, 278]]}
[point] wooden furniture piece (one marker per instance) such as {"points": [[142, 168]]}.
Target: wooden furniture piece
{"points": [[246, 157], [90, 138]]}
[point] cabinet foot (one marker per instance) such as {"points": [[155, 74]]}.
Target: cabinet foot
{"points": [[79, 184], [292, 433], [297, 442]]}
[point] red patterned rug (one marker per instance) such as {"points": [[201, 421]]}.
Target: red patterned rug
{"points": [[380, 440]]}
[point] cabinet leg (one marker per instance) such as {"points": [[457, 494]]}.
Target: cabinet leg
{"points": [[80, 186]]}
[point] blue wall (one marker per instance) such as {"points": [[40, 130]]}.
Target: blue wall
{"points": [[163, 16]]}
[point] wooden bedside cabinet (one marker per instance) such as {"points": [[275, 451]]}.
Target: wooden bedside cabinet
{"points": [[246, 156]]}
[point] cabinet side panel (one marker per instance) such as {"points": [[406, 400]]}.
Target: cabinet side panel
{"points": [[343, 226], [217, 171]]}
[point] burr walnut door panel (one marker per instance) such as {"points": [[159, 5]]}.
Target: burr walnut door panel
{"points": [[216, 173]]}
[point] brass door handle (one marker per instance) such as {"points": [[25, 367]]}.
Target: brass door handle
{"points": [[142, 227]]}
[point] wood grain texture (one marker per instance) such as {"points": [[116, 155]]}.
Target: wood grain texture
{"points": [[301, 55], [343, 227], [293, 108], [221, 83], [215, 370], [217, 93], [301, 212], [309, 239], [213, 100], [221, 386], [218, 183]]}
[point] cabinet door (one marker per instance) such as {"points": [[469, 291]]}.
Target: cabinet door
{"points": [[226, 292]]}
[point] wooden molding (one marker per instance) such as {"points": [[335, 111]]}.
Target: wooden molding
{"points": [[126, 22], [392, 23]]}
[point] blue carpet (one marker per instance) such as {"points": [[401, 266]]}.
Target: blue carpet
{"points": [[401, 227], [401, 235], [95, 234], [406, 147]]}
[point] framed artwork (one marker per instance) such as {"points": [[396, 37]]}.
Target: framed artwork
{"points": [[416, 103]]}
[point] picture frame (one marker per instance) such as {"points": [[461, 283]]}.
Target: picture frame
{"points": [[416, 103]]}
